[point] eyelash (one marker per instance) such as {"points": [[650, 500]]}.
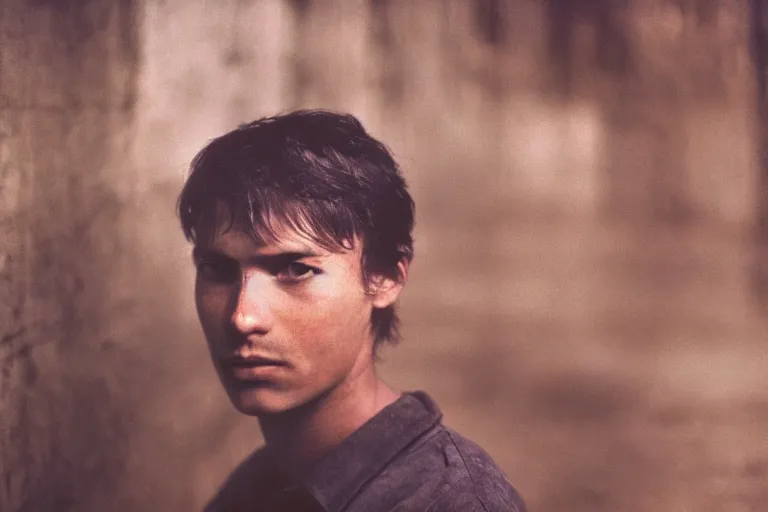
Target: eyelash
{"points": [[223, 273], [305, 272]]}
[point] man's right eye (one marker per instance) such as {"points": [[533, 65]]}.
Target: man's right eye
{"points": [[217, 271]]}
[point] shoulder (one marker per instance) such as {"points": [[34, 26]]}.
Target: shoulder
{"points": [[237, 489], [476, 483]]}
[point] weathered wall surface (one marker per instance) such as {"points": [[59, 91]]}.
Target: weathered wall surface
{"points": [[581, 301], [67, 92], [585, 175]]}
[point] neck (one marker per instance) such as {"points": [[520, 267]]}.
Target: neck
{"points": [[298, 438]]}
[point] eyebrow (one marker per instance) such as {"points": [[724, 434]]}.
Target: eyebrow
{"points": [[199, 253]]}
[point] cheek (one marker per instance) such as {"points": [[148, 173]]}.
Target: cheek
{"points": [[211, 303], [332, 321], [327, 304]]}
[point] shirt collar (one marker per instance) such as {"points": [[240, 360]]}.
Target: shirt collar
{"points": [[341, 474]]}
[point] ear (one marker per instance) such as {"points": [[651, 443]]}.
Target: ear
{"points": [[385, 290]]}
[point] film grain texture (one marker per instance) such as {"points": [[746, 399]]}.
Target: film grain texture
{"points": [[588, 298]]}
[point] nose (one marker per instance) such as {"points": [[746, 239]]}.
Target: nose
{"points": [[252, 314]]}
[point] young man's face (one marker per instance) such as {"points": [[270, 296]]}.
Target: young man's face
{"points": [[285, 322]]}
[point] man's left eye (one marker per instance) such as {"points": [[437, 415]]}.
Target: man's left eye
{"points": [[295, 271]]}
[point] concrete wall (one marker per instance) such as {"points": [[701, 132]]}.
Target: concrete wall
{"points": [[580, 303], [67, 93]]}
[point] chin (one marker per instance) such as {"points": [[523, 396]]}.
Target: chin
{"points": [[262, 401]]}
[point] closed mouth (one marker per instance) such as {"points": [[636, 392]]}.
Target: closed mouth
{"points": [[253, 371], [251, 362]]}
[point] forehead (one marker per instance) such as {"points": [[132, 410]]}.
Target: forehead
{"points": [[239, 240], [236, 241], [285, 225]]}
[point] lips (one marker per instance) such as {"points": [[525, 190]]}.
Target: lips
{"points": [[253, 367], [247, 362]]}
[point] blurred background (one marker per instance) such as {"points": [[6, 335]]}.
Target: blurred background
{"points": [[588, 299]]}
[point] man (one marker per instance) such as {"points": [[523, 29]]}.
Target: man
{"points": [[301, 227]]}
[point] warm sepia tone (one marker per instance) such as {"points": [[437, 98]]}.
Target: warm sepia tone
{"points": [[588, 298]]}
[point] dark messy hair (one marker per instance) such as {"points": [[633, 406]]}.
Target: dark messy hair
{"points": [[317, 172]]}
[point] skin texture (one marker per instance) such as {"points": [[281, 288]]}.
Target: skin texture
{"points": [[288, 329]]}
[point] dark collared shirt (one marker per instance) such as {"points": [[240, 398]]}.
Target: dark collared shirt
{"points": [[403, 459]]}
